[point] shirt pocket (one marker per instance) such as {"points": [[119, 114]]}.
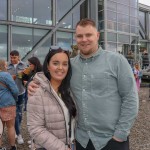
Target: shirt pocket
{"points": [[99, 83]]}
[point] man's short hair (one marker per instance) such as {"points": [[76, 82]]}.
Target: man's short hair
{"points": [[86, 21], [14, 53]]}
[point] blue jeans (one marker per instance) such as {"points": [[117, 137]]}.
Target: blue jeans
{"points": [[19, 106]]}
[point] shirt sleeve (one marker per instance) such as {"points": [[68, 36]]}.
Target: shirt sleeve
{"points": [[129, 97]]}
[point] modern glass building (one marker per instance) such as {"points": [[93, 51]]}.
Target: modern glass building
{"points": [[31, 26]]}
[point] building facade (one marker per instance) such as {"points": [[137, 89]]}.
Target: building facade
{"points": [[32, 26]]}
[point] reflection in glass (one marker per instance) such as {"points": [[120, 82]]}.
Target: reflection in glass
{"points": [[101, 15], [123, 27], [22, 40], [111, 25], [133, 12], [62, 8], [123, 9], [42, 14], [101, 25], [22, 10], [73, 18], [134, 21], [134, 30], [102, 36], [3, 42], [111, 5], [142, 18], [112, 46], [37, 35], [42, 51], [100, 5], [111, 15], [123, 38], [112, 37], [64, 39], [3, 9], [134, 40], [134, 3], [123, 1], [123, 18]]}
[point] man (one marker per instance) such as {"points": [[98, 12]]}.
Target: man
{"points": [[105, 92], [15, 68]]}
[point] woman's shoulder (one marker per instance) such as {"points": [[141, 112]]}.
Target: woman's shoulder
{"points": [[5, 74]]}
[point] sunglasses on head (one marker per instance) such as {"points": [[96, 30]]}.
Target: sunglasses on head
{"points": [[54, 47]]}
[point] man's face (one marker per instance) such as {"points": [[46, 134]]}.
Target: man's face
{"points": [[14, 59], [87, 39]]}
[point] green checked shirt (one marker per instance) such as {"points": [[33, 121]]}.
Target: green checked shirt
{"points": [[105, 92]]}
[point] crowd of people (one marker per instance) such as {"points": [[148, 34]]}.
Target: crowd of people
{"points": [[88, 102]]}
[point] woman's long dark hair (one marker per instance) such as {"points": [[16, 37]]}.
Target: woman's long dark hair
{"points": [[64, 88], [36, 62]]}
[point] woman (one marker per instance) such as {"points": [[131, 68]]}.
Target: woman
{"points": [[51, 110], [8, 97], [28, 74]]}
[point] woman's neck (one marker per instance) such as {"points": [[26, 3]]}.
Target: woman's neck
{"points": [[55, 85]]}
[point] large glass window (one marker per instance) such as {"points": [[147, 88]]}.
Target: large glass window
{"points": [[101, 15], [42, 12], [3, 42], [123, 1], [134, 21], [123, 9], [101, 25], [112, 46], [134, 3], [123, 38], [123, 18], [123, 27], [111, 5], [112, 37], [22, 40], [111, 15], [133, 12], [142, 18], [111, 25], [64, 39], [3, 9], [22, 10], [62, 8], [134, 29]]}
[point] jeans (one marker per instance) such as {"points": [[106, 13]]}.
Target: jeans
{"points": [[19, 106], [111, 145]]}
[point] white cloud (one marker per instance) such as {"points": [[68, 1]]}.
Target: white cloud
{"points": [[146, 2]]}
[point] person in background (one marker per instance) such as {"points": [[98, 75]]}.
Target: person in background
{"points": [[51, 110], [104, 89], [8, 97], [28, 74], [15, 68], [137, 74]]}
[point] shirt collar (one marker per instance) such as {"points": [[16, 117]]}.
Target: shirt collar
{"points": [[93, 56]]}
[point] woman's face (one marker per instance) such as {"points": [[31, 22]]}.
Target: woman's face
{"points": [[31, 66], [58, 66]]}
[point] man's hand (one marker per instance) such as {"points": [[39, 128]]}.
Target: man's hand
{"points": [[14, 77], [116, 139], [32, 88]]}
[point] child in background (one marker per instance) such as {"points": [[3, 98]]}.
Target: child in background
{"points": [[137, 74]]}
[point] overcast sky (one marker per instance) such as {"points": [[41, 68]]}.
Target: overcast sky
{"points": [[146, 2]]}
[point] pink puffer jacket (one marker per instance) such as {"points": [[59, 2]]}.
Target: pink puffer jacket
{"points": [[45, 117]]}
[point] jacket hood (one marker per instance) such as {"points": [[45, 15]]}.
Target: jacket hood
{"points": [[42, 80]]}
